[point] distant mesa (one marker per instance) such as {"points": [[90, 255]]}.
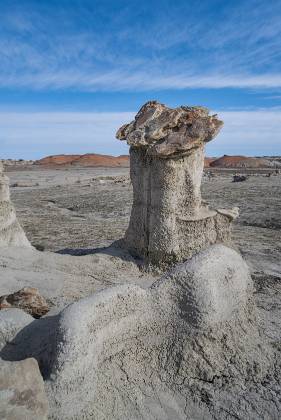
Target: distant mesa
{"points": [[87, 160]]}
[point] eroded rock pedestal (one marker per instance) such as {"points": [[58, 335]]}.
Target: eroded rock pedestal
{"points": [[168, 221], [11, 233]]}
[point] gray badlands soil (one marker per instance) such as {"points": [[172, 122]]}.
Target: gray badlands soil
{"points": [[75, 210], [84, 210], [68, 210]]}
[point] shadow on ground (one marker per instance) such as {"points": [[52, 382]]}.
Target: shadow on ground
{"points": [[114, 250]]}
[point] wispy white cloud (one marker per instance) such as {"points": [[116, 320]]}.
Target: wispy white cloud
{"points": [[32, 135], [117, 80], [135, 47], [273, 97]]}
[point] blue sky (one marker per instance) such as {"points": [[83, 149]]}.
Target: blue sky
{"points": [[73, 71]]}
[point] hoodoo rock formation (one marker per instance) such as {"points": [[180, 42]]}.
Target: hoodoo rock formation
{"points": [[168, 221], [188, 346], [11, 233]]}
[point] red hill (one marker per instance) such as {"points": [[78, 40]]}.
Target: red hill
{"points": [[57, 160], [240, 162], [90, 160], [208, 161]]}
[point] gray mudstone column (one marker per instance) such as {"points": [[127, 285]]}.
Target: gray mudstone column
{"points": [[11, 233], [168, 221]]}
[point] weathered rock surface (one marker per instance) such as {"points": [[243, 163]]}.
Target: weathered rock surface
{"points": [[166, 132], [172, 351], [11, 322], [168, 221], [11, 233], [28, 299], [22, 394], [210, 288], [186, 348]]}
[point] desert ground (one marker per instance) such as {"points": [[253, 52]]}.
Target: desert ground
{"points": [[82, 210], [73, 216]]}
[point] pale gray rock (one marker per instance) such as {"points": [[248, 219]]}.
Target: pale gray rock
{"points": [[215, 284], [11, 233], [232, 214], [22, 394], [169, 223], [11, 322]]}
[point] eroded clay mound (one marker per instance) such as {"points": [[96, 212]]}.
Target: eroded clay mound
{"points": [[149, 354], [183, 349]]}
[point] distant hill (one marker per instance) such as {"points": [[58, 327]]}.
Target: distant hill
{"points": [[87, 160], [57, 160], [241, 162], [96, 160]]}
